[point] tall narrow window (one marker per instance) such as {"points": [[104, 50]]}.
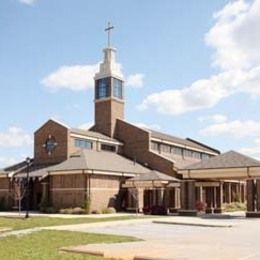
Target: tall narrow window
{"points": [[118, 88], [102, 88]]}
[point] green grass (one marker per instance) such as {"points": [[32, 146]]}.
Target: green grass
{"points": [[45, 245], [21, 223]]}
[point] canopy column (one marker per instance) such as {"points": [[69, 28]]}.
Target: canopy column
{"points": [[188, 198]]}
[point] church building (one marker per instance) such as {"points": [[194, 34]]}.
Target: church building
{"points": [[120, 165]]}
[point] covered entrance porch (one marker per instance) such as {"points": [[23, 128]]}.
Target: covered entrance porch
{"points": [[222, 179]]}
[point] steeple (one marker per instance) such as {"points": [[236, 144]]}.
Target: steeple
{"points": [[109, 91]]}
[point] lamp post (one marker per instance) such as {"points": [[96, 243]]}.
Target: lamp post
{"points": [[28, 161]]}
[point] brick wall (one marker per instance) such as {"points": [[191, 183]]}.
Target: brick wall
{"points": [[106, 113], [69, 190], [61, 135], [137, 147], [5, 191]]}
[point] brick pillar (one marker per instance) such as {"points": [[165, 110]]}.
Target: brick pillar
{"points": [[188, 198], [258, 196], [183, 194], [209, 199], [191, 195], [219, 199], [229, 193], [250, 195]]}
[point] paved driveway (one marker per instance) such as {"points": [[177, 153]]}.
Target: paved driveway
{"points": [[164, 241]]}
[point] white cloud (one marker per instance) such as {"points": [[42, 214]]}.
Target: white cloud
{"points": [[75, 77], [148, 126], [27, 2], [234, 128], [217, 118], [86, 126], [135, 80], [235, 38], [7, 161], [257, 140], [81, 77], [251, 151], [15, 137]]}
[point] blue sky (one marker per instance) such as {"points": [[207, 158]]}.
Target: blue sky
{"points": [[192, 68]]}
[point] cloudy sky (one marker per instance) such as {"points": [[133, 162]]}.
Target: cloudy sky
{"points": [[192, 68]]}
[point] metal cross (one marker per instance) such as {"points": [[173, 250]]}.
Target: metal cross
{"points": [[108, 30]]}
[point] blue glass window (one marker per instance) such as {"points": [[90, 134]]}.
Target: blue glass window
{"points": [[83, 144], [102, 88], [118, 88]]}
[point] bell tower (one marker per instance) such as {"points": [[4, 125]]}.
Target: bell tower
{"points": [[109, 91]]}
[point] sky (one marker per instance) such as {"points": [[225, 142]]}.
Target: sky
{"points": [[192, 68]]}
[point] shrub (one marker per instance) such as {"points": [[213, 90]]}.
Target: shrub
{"points": [[49, 210], [95, 211], [146, 210], [76, 210], [159, 210], [109, 210], [200, 205], [3, 205], [87, 205], [234, 206]]}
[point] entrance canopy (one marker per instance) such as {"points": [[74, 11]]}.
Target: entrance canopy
{"points": [[150, 179], [229, 165]]}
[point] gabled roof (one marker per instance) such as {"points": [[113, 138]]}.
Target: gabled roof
{"points": [[229, 159], [153, 176], [188, 142], [100, 161], [93, 134]]}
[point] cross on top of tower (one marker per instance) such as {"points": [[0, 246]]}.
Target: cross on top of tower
{"points": [[108, 30]]}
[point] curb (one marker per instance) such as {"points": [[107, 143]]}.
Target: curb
{"points": [[193, 224]]}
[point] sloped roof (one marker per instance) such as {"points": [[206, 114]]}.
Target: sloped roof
{"points": [[100, 161], [153, 176], [91, 134], [184, 142], [178, 161], [229, 159]]}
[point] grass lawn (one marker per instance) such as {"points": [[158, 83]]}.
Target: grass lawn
{"points": [[45, 245], [21, 223]]}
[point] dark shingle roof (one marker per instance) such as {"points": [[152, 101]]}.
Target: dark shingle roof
{"points": [[229, 159], [100, 161], [184, 142]]}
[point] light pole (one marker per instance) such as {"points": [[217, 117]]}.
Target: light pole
{"points": [[28, 161]]}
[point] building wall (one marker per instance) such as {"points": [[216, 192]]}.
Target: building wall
{"points": [[106, 112], [61, 136], [5, 191], [71, 190], [137, 147]]}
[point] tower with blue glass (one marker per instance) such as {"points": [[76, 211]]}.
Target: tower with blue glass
{"points": [[109, 92]]}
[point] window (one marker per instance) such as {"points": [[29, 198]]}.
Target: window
{"points": [[165, 148], [205, 156], [83, 144], [107, 147], [155, 146], [196, 155], [187, 153], [102, 88], [176, 150], [118, 88]]}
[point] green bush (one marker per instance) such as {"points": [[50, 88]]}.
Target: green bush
{"points": [[3, 205], [95, 211], [76, 210], [109, 210], [234, 206], [88, 205]]}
